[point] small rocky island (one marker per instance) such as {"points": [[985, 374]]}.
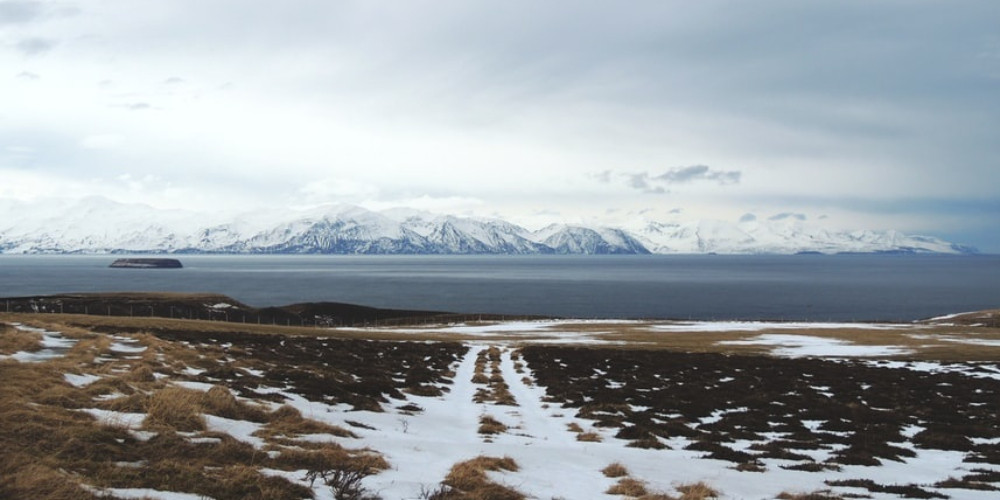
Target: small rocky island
{"points": [[143, 263]]}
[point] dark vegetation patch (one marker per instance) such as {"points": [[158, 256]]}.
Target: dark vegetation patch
{"points": [[903, 490], [362, 373], [205, 306], [856, 412]]}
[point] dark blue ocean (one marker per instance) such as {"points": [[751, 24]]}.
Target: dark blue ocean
{"points": [[704, 287]]}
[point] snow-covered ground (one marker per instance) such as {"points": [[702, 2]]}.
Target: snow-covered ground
{"points": [[797, 346]]}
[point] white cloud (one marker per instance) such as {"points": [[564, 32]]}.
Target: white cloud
{"points": [[102, 141]]}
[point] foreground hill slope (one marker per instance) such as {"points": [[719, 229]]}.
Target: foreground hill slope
{"points": [[129, 407]]}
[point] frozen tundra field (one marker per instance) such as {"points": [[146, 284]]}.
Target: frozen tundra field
{"points": [[180, 409]]}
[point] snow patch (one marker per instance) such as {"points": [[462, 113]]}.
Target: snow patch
{"points": [[80, 380], [797, 346]]}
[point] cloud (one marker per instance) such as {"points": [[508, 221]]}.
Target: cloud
{"points": [[173, 80], [660, 183], [102, 141], [338, 190], [35, 46], [603, 177], [748, 217], [27, 75], [138, 106], [787, 215], [642, 182], [681, 175], [19, 12]]}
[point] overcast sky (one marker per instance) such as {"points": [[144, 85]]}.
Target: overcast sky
{"points": [[862, 114]]}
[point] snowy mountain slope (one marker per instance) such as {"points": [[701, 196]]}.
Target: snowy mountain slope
{"points": [[98, 225], [783, 237], [565, 239]]}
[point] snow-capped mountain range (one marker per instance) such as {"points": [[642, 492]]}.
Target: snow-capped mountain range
{"points": [[99, 225]]}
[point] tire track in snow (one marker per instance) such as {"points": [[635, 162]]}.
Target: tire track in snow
{"points": [[422, 450], [536, 420]]}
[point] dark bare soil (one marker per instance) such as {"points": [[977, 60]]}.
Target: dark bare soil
{"points": [[859, 414]]}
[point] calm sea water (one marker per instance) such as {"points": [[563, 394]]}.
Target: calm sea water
{"points": [[801, 287]]}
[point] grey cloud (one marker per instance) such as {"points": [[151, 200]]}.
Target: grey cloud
{"points": [[18, 12], [639, 181], [787, 215], [748, 217], [642, 183], [659, 184], [603, 177], [35, 46], [681, 175], [676, 211], [27, 75], [546, 211]]}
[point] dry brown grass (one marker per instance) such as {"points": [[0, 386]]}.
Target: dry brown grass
{"points": [[491, 426], [175, 408], [143, 373], [614, 470], [36, 480], [288, 421], [574, 427], [697, 491], [220, 402], [50, 449], [629, 487], [589, 437], [470, 479], [13, 340]]}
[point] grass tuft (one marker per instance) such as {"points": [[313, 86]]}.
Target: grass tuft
{"points": [[13, 340], [175, 408], [490, 426], [469, 478], [697, 491], [615, 470], [288, 421], [628, 487]]}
